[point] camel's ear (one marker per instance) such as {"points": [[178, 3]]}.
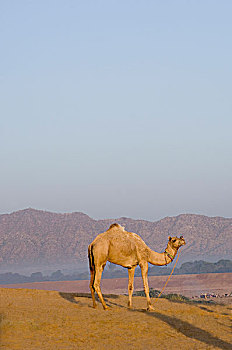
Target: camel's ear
{"points": [[170, 238]]}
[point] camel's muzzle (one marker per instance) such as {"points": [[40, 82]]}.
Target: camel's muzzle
{"points": [[182, 241]]}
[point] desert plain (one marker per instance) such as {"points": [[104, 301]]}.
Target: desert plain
{"points": [[188, 285], [44, 319]]}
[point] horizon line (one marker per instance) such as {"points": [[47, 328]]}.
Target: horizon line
{"points": [[118, 218]]}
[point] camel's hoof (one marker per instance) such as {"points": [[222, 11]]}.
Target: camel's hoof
{"points": [[150, 308], [106, 308]]}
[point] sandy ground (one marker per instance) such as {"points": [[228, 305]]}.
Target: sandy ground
{"points": [[188, 285], [35, 319]]}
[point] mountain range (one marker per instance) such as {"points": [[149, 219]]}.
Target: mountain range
{"points": [[30, 237]]}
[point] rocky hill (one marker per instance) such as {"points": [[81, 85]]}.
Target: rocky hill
{"points": [[33, 236]]}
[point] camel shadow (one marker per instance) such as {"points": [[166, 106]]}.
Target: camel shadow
{"points": [[188, 330], [71, 297], [184, 327], [201, 304]]}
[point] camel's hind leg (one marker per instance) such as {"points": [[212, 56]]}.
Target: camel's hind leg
{"points": [[97, 281], [130, 285], [91, 287]]}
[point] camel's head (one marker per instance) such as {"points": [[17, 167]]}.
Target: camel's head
{"points": [[176, 242]]}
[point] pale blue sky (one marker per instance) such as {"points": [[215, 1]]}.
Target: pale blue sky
{"points": [[116, 108]]}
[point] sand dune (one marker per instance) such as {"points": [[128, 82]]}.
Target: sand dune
{"points": [[49, 320]]}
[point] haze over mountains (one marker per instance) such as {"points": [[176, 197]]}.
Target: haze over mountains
{"points": [[35, 237]]}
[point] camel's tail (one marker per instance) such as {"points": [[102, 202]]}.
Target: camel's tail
{"points": [[91, 258]]}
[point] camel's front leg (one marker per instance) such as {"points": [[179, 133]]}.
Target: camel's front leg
{"points": [[144, 270], [97, 281], [131, 273]]}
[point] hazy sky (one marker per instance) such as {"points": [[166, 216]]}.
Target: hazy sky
{"points": [[116, 108]]}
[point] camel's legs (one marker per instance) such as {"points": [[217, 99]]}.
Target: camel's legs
{"points": [[97, 281], [130, 284], [91, 287], [144, 270]]}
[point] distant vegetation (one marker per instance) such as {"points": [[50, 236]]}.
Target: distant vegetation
{"points": [[195, 267], [154, 293], [112, 271]]}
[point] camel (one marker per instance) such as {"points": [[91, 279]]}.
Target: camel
{"points": [[127, 249]]}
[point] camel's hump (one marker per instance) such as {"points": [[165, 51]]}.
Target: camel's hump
{"points": [[115, 225]]}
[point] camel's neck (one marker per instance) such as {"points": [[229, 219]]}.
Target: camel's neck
{"points": [[161, 259]]}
